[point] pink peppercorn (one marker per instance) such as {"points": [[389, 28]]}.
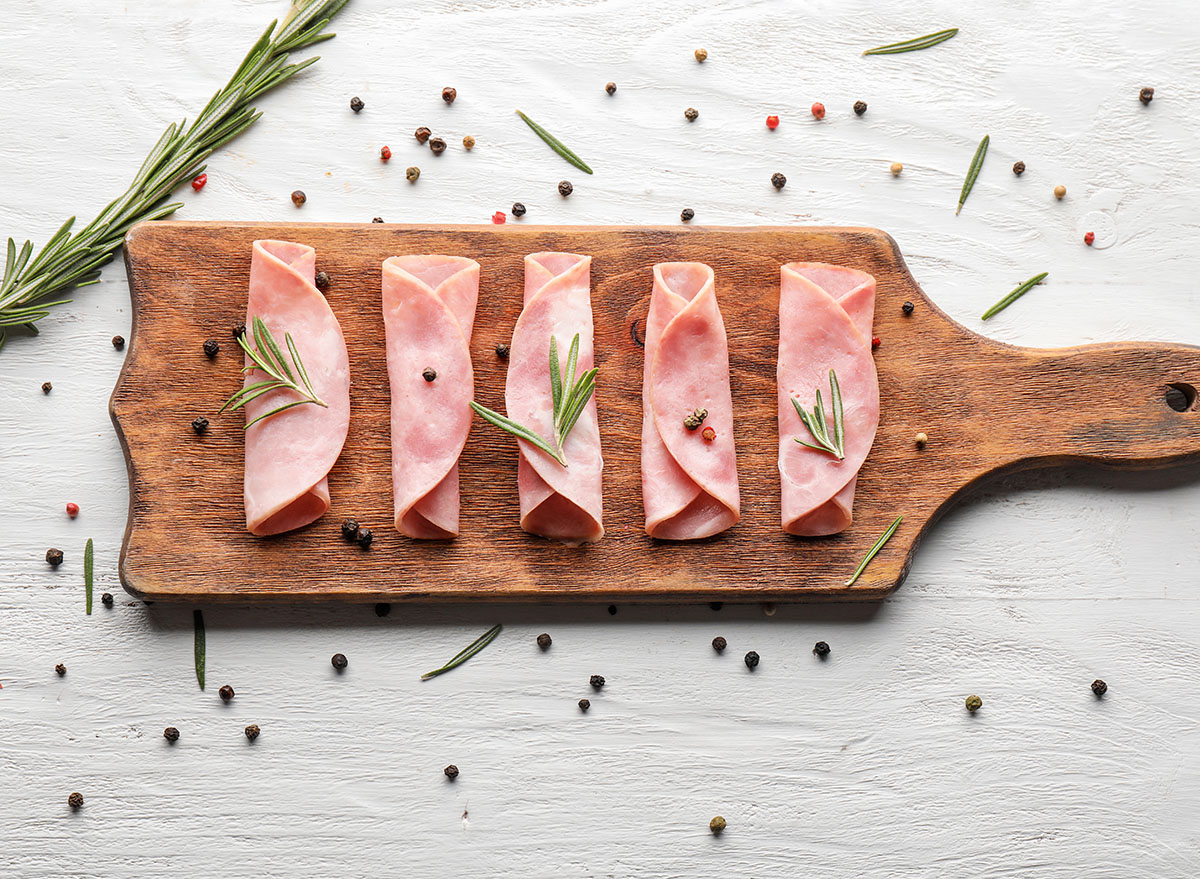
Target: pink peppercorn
{"points": [[72, 509], [875, 342], [772, 122], [818, 110], [385, 153], [199, 182], [499, 218], [1089, 238]]}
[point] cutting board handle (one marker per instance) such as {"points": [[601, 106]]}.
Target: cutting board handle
{"points": [[1128, 405]]}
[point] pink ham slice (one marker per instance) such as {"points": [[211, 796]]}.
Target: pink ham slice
{"points": [[689, 485], [428, 312], [561, 503], [825, 315], [289, 455]]}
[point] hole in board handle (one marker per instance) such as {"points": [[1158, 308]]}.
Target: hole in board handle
{"points": [[1180, 396]]}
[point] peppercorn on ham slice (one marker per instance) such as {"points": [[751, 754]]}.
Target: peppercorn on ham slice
{"points": [[689, 482], [289, 455], [428, 313], [561, 503], [825, 316]]}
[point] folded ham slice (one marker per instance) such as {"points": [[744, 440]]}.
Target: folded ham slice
{"points": [[825, 315], [289, 455], [428, 312], [561, 503], [689, 484]]}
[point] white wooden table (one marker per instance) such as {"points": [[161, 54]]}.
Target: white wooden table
{"points": [[866, 765]]}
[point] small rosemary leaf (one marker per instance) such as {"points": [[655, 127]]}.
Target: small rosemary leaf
{"points": [[463, 655], [555, 144], [199, 647], [874, 550], [248, 393], [1016, 294], [276, 411], [556, 382], [583, 393], [839, 427], [10, 261], [572, 363], [912, 45], [517, 430], [299, 364], [267, 340], [87, 575], [973, 171]]}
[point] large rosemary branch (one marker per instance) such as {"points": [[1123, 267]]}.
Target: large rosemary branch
{"points": [[75, 259]]}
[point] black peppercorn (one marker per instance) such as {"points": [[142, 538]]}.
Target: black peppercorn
{"points": [[544, 641], [778, 180], [356, 104], [518, 209], [339, 661], [1146, 95], [584, 704], [322, 280], [612, 610], [365, 537], [199, 424], [449, 94], [821, 649], [61, 669], [686, 214], [610, 87], [502, 351], [597, 681], [1018, 168], [47, 387], [298, 197], [75, 800], [422, 134], [107, 599], [716, 605], [429, 373], [171, 734], [908, 308], [252, 731], [451, 772], [382, 609], [691, 114], [565, 188], [118, 342], [212, 347], [349, 529], [719, 644], [1099, 687], [860, 107], [751, 660], [239, 330], [226, 693], [437, 145], [377, 219], [54, 557]]}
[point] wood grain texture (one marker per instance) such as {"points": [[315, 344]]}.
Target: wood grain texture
{"points": [[987, 408]]}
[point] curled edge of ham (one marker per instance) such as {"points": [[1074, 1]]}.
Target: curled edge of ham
{"points": [[428, 314], [825, 316], [689, 485], [559, 503], [289, 455]]}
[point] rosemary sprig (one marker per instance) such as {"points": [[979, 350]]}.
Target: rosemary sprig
{"points": [[819, 427], [569, 395], [470, 650], [914, 44], [973, 171], [1016, 294], [199, 645], [87, 575], [555, 144], [74, 259], [874, 550], [267, 357]]}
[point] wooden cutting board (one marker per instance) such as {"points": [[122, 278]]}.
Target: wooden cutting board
{"points": [[986, 407]]}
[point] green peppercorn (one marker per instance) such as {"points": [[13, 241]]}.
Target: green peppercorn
{"points": [[437, 145], [75, 800], [860, 107], [565, 188], [212, 348], [597, 681], [411, 175], [695, 419], [1099, 687], [356, 104], [974, 703], [1018, 168], [365, 537], [518, 209], [611, 88], [322, 280], [451, 772], [299, 198], [719, 644], [199, 424], [47, 387], [349, 529], [821, 649], [691, 114], [716, 825], [339, 661], [429, 374], [118, 342], [584, 705], [751, 660], [422, 134], [908, 308], [778, 180], [107, 599], [54, 557], [171, 734], [60, 669], [226, 693], [252, 731], [544, 641], [701, 54], [686, 214]]}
